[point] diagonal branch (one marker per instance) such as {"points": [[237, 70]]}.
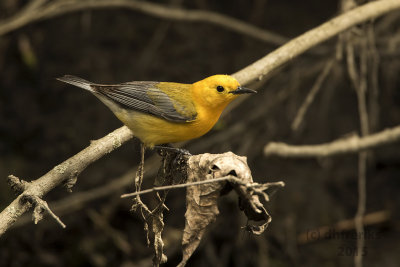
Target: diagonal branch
{"points": [[264, 67], [62, 172]]}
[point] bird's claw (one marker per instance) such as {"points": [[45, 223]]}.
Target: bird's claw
{"points": [[162, 150]]}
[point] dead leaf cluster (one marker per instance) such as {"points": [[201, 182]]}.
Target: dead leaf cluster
{"points": [[208, 177]]}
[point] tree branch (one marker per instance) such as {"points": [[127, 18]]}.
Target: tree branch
{"points": [[62, 172], [352, 144], [264, 67], [62, 7]]}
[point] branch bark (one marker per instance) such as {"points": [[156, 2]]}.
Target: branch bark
{"points": [[352, 144]]}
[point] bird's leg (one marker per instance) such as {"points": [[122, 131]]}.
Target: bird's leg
{"points": [[139, 172], [173, 158], [162, 149]]}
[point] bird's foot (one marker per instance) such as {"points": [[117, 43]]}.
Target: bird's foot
{"points": [[165, 149]]}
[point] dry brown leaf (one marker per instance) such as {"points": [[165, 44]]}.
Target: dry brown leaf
{"points": [[201, 200]]}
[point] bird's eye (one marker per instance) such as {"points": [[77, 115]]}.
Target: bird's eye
{"points": [[220, 88]]}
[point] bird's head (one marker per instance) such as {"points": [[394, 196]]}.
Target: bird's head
{"points": [[215, 92]]}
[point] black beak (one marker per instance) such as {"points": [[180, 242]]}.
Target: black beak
{"points": [[242, 90]]}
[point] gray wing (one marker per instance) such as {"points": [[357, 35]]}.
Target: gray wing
{"points": [[146, 97]]}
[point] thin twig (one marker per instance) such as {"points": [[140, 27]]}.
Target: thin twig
{"points": [[311, 95], [359, 82], [176, 186], [43, 204], [361, 207], [352, 144], [257, 188], [361, 90]]}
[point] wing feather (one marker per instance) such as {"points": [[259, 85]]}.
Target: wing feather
{"points": [[149, 98]]}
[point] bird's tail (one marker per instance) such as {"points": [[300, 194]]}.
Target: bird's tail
{"points": [[79, 82]]}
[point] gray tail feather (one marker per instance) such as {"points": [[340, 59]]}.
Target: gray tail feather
{"points": [[79, 82]]}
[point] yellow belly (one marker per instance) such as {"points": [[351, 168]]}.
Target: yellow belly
{"points": [[154, 131]]}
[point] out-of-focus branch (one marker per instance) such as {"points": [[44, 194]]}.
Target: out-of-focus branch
{"points": [[335, 230], [62, 7], [358, 76], [61, 173], [120, 240], [265, 66], [311, 95], [352, 144]]}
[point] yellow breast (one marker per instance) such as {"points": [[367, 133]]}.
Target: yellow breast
{"points": [[155, 131]]}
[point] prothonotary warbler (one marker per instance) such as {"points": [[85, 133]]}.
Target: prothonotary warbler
{"points": [[166, 112]]}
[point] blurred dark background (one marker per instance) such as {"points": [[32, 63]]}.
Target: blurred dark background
{"points": [[43, 122]]}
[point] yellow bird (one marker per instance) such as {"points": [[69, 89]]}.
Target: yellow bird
{"points": [[165, 112]]}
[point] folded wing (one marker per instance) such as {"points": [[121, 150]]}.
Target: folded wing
{"points": [[165, 100]]}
